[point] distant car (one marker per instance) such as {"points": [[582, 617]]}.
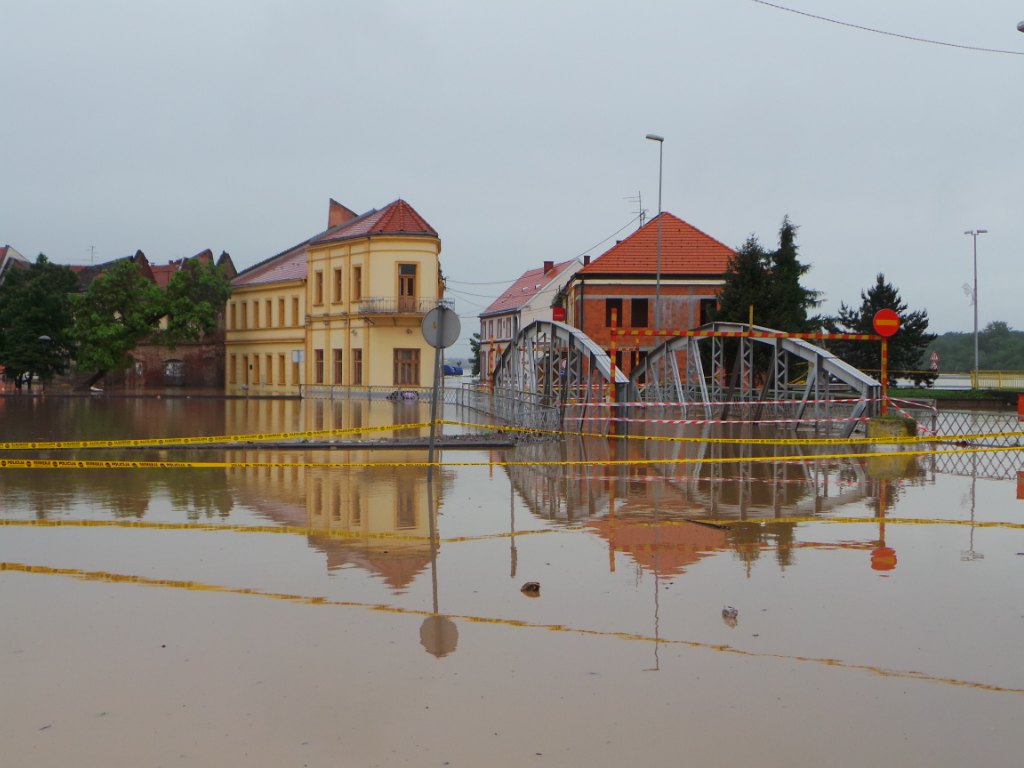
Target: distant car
{"points": [[452, 370]]}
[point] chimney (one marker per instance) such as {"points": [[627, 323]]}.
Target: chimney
{"points": [[338, 214], [586, 259], [548, 266]]}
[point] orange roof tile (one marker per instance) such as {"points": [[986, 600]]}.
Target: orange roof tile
{"points": [[685, 251], [525, 288], [397, 218]]}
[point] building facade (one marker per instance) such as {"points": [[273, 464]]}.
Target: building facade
{"points": [[341, 309], [528, 299], [624, 287]]}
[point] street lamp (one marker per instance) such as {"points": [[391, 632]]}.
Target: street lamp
{"points": [[974, 236], [657, 279]]}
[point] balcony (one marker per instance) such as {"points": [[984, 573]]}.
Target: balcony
{"points": [[398, 305]]}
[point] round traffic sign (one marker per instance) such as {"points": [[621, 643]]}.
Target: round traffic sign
{"points": [[886, 322], [441, 327]]}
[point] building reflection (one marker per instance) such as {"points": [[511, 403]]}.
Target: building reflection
{"points": [[375, 518], [740, 497]]}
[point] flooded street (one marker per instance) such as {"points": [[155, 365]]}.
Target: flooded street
{"points": [[717, 607]]}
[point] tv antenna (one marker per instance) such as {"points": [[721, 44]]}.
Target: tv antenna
{"points": [[640, 207]]}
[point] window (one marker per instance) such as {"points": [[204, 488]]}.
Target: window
{"points": [[245, 370], [407, 367], [280, 367], [405, 509], [267, 317], [638, 313], [233, 368], [406, 287], [706, 306], [357, 366], [318, 366], [270, 369], [280, 313], [256, 370], [245, 314], [613, 313], [295, 310], [255, 314], [337, 286], [318, 288], [357, 283], [337, 366], [234, 319]]}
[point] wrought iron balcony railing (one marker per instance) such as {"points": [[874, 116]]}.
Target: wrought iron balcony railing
{"points": [[397, 305]]}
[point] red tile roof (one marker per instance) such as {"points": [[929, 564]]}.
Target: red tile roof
{"points": [[525, 288], [397, 218], [685, 251]]}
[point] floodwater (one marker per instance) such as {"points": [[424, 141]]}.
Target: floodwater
{"points": [[721, 607]]}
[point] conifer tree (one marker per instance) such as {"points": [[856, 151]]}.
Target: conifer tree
{"points": [[906, 347]]}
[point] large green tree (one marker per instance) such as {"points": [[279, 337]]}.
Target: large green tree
{"points": [[906, 347], [120, 308], [195, 297], [35, 321], [768, 281]]}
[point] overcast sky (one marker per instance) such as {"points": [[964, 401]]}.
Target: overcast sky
{"points": [[517, 130]]}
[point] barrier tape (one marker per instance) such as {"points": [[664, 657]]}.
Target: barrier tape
{"points": [[717, 421], [750, 440], [100, 464], [155, 442], [295, 530], [832, 663], [289, 530]]}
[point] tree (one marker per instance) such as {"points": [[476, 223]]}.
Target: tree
{"points": [[906, 347], [119, 309], [474, 348], [195, 297], [770, 282], [36, 320]]}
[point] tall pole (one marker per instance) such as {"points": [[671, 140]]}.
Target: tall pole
{"points": [[974, 236], [657, 279]]}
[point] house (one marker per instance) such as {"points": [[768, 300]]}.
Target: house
{"points": [[528, 299], [11, 259], [624, 287], [342, 308]]}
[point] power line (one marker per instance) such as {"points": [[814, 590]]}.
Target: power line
{"points": [[884, 32]]}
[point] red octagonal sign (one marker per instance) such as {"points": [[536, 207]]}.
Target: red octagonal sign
{"points": [[886, 322]]}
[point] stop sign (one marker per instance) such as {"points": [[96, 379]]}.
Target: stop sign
{"points": [[886, 322]]}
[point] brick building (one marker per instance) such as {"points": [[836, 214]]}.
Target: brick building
{"points": [[621, 286]]}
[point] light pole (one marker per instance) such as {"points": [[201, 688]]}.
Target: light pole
{"points": [[974, 236], [657, 278]]}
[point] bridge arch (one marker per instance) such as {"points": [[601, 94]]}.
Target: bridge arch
{"points": [[548, 366], [771, 372]]}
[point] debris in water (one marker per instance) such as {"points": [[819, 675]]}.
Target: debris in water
{"points": [[531, 589], [730, 616]]}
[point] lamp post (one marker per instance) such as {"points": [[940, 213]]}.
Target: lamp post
{"points": [[974, 236], [657, 278]]}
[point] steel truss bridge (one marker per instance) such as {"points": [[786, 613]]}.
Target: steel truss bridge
{"points": [[553, 375]]}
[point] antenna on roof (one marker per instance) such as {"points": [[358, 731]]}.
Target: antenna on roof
{"points": [[640, 207], [92, 254]]}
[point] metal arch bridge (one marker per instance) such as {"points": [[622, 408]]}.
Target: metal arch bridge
{"points": [[552, 373]]}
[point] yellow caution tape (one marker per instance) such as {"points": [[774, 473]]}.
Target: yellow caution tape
{"points": [[156, 442], [117, 578]]}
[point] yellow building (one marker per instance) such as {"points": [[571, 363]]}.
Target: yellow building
{"points": [[341, 309]]}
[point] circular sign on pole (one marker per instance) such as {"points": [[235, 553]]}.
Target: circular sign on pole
{"points": [[886, 322], [441, 327]]}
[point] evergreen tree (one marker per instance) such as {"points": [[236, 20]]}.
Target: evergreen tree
{"points": [[474, 348], [770, 282], [35, 320], [906, 347]]}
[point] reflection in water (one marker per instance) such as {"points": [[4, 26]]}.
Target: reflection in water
{"points": [[667, 517]]}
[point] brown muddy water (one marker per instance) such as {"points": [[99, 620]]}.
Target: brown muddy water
{"points": [[733, 608]]}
